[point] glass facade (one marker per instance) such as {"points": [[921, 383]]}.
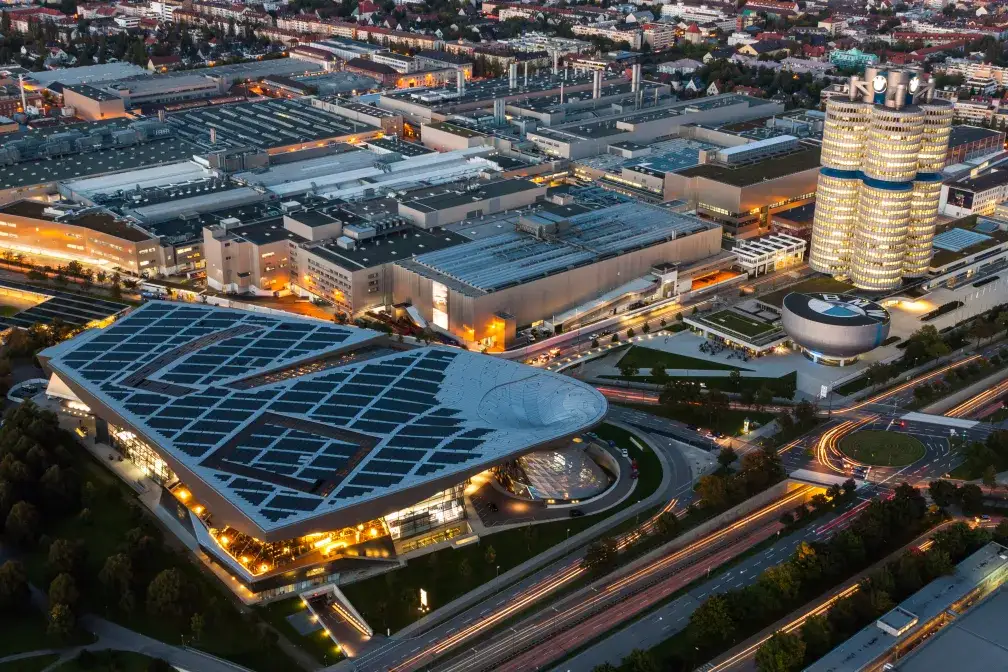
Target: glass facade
{"points": [[877, 199], [443, 508], [141, 454]]}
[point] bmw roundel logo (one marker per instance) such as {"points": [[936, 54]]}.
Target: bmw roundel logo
{"points": [[838, 306]]}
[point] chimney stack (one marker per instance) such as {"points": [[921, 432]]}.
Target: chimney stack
{"points": [[526, 74], [513, 75], [24, 100], [213, 135], [597, 85], [635, 78], [561, 93], [556, 63], [460, 78]]}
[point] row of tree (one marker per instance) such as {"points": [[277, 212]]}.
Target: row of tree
{"points": [[758, 470], [727, 618], [877, 594]]}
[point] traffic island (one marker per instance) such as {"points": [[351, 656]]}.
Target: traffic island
{"points": [[882, 449]]}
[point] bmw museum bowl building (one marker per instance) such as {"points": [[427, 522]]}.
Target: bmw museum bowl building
{"points": [[834, 329]]}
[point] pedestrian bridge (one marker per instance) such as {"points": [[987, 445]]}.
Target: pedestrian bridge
{"points": [[821, 478], [951, 423]]}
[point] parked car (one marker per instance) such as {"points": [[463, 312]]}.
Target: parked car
{"points": [[576, 513]]}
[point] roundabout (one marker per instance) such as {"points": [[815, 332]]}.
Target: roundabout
{"points": [[882, 449]]}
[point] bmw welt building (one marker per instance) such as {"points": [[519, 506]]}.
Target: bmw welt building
{"points": [[294, 449]]}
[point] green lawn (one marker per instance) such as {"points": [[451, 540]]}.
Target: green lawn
{"points": [[729, 421], [115, 511], [853, 386], [7, 311], [740, 324], [388, 600], [885, 449], [34, 664], [317, 644], [781, 387], [107, 661], [647, 358], [825, 285], [27, 632]]}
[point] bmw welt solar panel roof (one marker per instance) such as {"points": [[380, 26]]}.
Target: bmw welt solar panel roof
{"points": [[496, 262], [290, 419]]}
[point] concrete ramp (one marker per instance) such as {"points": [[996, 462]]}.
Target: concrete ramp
{"points": [[821, 478], [951, 423]]}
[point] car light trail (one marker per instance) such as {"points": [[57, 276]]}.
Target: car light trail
{"points": [[605, 593]]}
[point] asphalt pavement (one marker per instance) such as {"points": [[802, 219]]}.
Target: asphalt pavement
{"points": [[420, 648], [671, 618]]}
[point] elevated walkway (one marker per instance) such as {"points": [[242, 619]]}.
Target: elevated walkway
{"points": [[951, 423]]}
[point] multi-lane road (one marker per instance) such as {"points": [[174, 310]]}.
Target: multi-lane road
{"points": [[500, 633], [578, 618]]}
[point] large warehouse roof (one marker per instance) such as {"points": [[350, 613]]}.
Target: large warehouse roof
{"points": [[289, 419], [507, 259]]}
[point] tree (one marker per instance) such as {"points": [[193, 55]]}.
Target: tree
{"points": [[166, 594], [990, 476], [659, 375], [14, 593], [849, 486], [600, 555], [464, 568], [942, 493], [971, 498], [196, 625], [1001, 532], [726, 457], [783, 652], [117, 573], [735, 376], [713, 490], [614, 339], [66, 557], [712, 622], [61, 621], [639, 661], [22, 525], [667, 524], [646, 328], [490, 555], [605, 667], [817, 636], [630, 332], [63, 590], [628, 370], [805, 413]]}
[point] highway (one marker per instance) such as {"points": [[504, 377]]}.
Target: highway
{"points": [[617, 597], [407, 653], [742, 657], [490, 636], [672, 617]]}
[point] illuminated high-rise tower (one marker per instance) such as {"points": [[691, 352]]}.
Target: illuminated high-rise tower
{"points": [[884, 146]]}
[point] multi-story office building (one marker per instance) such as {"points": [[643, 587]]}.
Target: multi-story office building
{"points": [[884, 146]]}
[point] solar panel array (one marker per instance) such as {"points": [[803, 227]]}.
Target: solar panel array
{"points": [[282, 446]]}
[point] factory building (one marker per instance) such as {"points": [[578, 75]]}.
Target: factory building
{"points": [[440, 206], [60, 234], [550, 261], [743, 196], [884, 146], [579, 140]]}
